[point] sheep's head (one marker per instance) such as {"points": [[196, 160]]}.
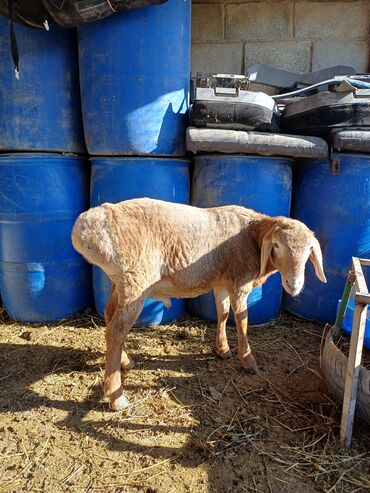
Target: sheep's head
{"points": [[288, 244]]}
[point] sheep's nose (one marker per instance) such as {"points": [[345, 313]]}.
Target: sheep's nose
{"points": [[294, 286]]}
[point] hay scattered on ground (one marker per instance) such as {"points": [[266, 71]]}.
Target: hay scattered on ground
{"points": [[195, 424]]}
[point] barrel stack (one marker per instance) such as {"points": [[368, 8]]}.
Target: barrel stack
{"points": [[134, 76], [326, 135], [332, 195], [227, 171], [44, 183]]}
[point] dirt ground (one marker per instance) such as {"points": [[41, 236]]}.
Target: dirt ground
{"points": [[195, 424]]}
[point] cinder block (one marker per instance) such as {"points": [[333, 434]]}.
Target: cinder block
{"points": [[259, 20], [327, 53], [207, 22], [216, 58], [287, 55], [317, 20]]}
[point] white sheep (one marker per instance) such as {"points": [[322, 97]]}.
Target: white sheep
{"points": [[153, 248]]}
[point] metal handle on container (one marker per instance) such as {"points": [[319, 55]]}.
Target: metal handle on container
{"points": [[228, 81], [218, 92]]}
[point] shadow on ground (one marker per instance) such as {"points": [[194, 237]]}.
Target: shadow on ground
{"points": [[202, 422]]}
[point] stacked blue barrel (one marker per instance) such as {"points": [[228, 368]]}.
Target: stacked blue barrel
{"points": [[134, 76], [257, 182], [43, 185]]}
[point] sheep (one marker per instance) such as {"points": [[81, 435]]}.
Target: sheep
{"points": [[151, 248]]}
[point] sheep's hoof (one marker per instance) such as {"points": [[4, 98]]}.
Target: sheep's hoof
{"points": [[227, 355], [128, 366], [119, 404], [249, 365]]}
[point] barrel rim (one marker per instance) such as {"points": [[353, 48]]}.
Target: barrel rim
{"points": [[15, 157], [43, 265], [143, 159], [290, 160], [336, 155]]}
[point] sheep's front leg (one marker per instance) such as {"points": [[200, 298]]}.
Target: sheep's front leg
{"points": [[223, 307], [239, 305], [115, 336]]}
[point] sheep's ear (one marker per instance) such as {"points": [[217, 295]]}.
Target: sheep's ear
{"points": [[316, 259], [265, 251]]}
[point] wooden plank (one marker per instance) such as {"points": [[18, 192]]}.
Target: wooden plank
{"points": [[353, 370], [363, 298], [364, 261], [360, 279]]}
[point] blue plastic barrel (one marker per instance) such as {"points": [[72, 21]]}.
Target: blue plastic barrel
{"points": [[260, 183], [336, 206], [42, 278], [134, 71], [124, 178], [41, 111]]}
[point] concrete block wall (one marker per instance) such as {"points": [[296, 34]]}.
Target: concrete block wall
{"points": [[301, 36]]}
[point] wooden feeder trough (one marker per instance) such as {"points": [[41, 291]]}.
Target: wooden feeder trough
{"points": [[348, 380]]}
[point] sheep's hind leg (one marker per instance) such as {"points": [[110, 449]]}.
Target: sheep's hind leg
{"points": [[239, 305], [122, 317], [127, 363], [223, 308]]}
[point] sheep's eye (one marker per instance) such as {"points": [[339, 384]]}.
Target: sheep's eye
{"points": [[275, 245]]}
